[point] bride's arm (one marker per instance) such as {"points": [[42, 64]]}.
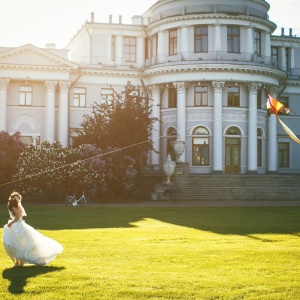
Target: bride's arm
{"points": [[17, 216]]}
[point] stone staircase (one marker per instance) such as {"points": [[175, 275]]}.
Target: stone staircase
{"points": [[235, 187]]}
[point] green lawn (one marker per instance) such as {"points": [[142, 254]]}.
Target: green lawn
{"points": [[161, 253]]}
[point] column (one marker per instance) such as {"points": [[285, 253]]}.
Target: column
{"points": [[181, 88], [63, 113], [185, 42], [250, 44], [217, 134], [292, 60], [282, 58], [119, 50], [218, 42], [3, 103], [160, 47], [155, 91], [252, 127], [140, 51], [272, 138], [50, 111]]}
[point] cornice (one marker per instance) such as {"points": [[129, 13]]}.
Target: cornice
{"points": [[216, 68], [213, 16], [111, 72], [35, 68]]}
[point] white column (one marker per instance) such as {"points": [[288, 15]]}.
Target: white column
{"points": [[140, 52], [252, 127], [185, 42], [3, 103], [50, 111], [218, 42], [155, 91], [282, 58], [217, 134], [119, 50], [160, 47], [181, 88], [272, 138], [250, 44], [292, 60], [63, 113]]}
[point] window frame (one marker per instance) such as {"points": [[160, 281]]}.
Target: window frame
{"points": [[201, 38], [257, 43], [232, 99], [233, 39], [172, 97], [201, 147], [283, 154], [113, 48], [79, 94], [172, 42], [129, 46], [25, 96], [200, 93]]}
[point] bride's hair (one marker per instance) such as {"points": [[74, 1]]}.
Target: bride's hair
{"points": [[13, 200]]}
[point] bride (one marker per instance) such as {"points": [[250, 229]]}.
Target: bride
{"points": [[22, 243]]}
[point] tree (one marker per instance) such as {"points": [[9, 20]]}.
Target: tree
{"points": [[122, 123], [10, 149]]}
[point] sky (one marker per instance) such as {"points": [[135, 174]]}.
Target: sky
{"points": [[39, 22]]}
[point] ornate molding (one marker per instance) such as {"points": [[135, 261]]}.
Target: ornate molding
{"points": [[181, 87], [203, 116], [64, 86], [273, 91], [253, 87], [155, 89], [35, 127], [4, 84], [218, 85], [237, 117], [169, 118], [50, 85]]}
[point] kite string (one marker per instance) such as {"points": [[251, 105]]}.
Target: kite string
{"points": [[107, 153]]}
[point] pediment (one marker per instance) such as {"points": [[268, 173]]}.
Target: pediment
{"points": [[29, 55]]}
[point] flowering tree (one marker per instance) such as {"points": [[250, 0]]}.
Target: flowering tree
{"points": [[10, 149]]}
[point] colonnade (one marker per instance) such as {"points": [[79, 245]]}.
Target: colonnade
{"points": [[217, 138], [63, 110]]}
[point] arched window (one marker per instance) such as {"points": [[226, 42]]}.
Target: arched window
{"points": [[259, 147], [171, 136], [233, 131], [200, 147]]}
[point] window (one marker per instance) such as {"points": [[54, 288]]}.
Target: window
{"points": [[200, 96], [233, 131], [171, 136], [107, 95], [130, 49], [201, 39], [173, 42], [233, 39], [113, 47], [259, 103], [147, 41], [259, 147], [200, 147], [172, 97], [257, 42], [79, 96], [25, 95], [283, 155], [233, 96], [274, 54]]}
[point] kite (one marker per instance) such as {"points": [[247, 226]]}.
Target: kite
{"points": [[275, 107]]}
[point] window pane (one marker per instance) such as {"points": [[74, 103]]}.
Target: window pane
{"points": [[22, 99]]}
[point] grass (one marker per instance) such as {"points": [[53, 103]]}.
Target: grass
{"points": [[161, 253]]}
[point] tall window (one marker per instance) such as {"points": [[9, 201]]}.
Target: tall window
{"points": [[173, 42], [233, 99], [79, 96], [130, 49], [259, 147], [147, 40], [113, 47], [200, 147], [233, 39], [283, 155], [201, 39], [257, 42], [274, 54], [200, 96], [25, 95], [172, 97], [259, 102]]}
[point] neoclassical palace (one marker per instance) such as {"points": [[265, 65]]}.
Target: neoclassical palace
{"points": [[207, 66]]}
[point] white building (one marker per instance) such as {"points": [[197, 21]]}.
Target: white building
{"points": [[207, 65]]}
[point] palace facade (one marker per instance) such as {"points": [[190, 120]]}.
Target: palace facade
{"points": [[207, 65]]}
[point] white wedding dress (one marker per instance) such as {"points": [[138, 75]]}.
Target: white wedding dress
{"points": [[22, 242]]}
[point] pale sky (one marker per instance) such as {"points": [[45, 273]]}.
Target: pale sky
{"points": [[56, 21]]}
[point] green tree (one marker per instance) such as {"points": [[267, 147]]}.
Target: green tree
{"points": [[122, 123]]}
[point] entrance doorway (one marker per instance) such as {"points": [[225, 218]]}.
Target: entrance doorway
{"points": [[233, 151]]}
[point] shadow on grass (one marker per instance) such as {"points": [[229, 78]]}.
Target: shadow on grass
{"points": [[18, 276], [222, 220]]}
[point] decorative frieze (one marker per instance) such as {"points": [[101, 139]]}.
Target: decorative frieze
{"points": [[203, 116], [218, 86], [181, 87], [64, 86], [236, 117], [253, 87], [4, 84]]}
